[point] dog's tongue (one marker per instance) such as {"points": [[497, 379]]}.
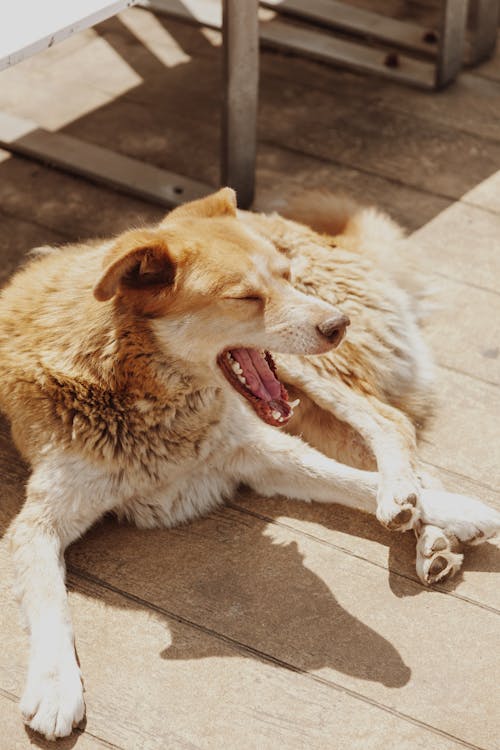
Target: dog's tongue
{"points": [[259, 376]]}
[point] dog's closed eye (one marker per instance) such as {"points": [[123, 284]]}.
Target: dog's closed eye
{"points": [[250, 297]]}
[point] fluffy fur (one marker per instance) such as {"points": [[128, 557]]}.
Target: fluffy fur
{"points": [[110, 378]]}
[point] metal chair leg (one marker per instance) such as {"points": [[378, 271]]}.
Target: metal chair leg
{"points": [[241, 82]]}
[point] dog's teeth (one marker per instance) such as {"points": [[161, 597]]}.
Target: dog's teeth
{"points": [[236, 367], [281, 419], [241, 378], [228, 356], [276, 415], [294, 404]]}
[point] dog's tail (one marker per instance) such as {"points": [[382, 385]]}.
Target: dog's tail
{"points": [[368, 231], [338, 215]]}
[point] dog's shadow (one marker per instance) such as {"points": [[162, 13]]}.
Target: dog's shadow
{"points": [[247, 580], [401, 548], [247, 584]]}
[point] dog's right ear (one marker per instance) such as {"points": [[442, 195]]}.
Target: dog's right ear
{"points": [[139, 261], [221, 203]]}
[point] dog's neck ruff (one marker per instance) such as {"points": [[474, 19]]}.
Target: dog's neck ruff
{"points": [[253, 374]]}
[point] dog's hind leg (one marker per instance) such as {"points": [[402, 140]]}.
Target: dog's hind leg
{"points": [[62, 502], [387, 432]]}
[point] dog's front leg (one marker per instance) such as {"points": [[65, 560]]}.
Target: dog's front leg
{"points": [[276, 463], [388, 433], [54, 515]]}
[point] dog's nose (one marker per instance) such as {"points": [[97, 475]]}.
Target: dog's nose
{"points": [[333, 329]]}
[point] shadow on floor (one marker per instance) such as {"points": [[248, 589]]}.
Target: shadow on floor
{"points": [[249, 583]]}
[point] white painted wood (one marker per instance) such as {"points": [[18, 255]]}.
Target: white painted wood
{"points": [[30, 26]]}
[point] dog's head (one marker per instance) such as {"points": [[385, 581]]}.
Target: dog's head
{"points": [[220, 298]]}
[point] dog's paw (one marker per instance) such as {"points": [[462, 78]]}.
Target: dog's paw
{"points": [[465, 518], [397, 505], [53, 702], [438, 555]]}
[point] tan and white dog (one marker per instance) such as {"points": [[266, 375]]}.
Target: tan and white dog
{"points": [[138, 378]]}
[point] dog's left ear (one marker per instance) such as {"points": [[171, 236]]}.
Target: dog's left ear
{"points": [[221, 203], [139, 261]]}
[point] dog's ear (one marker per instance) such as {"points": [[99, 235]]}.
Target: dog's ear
{"points": [[221, 203], [138, 261]]}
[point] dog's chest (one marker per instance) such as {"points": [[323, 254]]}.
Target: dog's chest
{"points": [[181, 469], [144, 439]]}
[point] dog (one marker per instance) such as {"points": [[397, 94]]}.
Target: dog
{"points": [[152, 374]]}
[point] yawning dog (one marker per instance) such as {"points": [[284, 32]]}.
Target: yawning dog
{"points": [[152, 374]]}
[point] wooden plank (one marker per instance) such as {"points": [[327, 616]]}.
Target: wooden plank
{"points": [[96, 163], [470, 105], [29, 27], [154, 682], [464, 328], [486, 195], [69, 207], [401, 146], [464, 437], [16, 237], [461, 243], [340, 15], [329, 49], [313, 607]]}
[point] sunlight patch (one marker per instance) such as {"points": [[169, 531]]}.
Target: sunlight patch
{"points": [[154, 36]]}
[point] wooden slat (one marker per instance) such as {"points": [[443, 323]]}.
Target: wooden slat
{"points": [[340, 15]]}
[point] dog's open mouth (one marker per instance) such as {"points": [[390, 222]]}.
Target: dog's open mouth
{"points": [[253, 374]]}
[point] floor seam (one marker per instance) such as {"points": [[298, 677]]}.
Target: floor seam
{"points": [[8, 695], [9, 215], [388, 178], [459, 475], [381, 566]]}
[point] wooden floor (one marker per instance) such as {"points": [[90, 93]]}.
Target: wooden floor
{"points": [[272, 624]]}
